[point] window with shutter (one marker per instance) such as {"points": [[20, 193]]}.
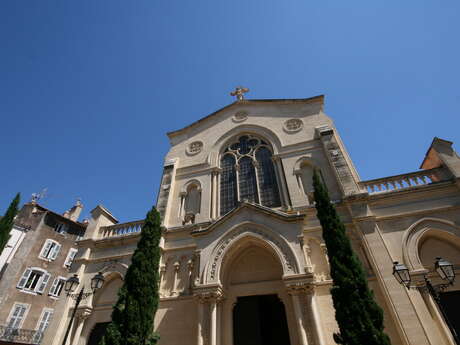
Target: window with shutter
{"points": [[17, 315], [70, 256], [55, 251], [34, 279], [50, 250], [24, 278], [58, 285], [43, 324], [43, 282], [46, 249]]}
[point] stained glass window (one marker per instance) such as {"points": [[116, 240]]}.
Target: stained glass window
{"points": [[247, 180], [228, 192], [248, 153], [269, 193]]}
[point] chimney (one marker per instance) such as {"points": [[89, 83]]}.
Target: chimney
{"points": [[75, 211]]}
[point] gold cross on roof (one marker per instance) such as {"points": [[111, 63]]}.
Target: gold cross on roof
{"points": [[239, 92]]}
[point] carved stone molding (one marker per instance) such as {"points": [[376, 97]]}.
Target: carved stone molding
{"points": [[208, 293], [83, 313], [194, 148], [240, 116], [299, 288], [293, 125], [287, 258]]}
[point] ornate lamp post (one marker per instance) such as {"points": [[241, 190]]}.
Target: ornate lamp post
{"points": [[70, 285], [445, 271]]}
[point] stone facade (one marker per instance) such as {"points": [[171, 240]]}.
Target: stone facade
{"points": [[214, 255], [36, 262]]}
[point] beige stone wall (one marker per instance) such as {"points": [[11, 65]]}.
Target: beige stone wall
{"points": [[207, 264]]}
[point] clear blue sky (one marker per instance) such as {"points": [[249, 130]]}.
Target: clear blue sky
{"points": [[89, 88]]}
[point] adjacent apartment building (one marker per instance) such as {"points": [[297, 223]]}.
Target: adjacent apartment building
{"points": [[33, 268]]}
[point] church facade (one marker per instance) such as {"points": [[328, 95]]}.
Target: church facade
{"points": [[243, 258]]}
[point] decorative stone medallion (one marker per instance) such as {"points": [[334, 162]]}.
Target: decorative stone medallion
{"points": [[293, 125], [240, 116], [195, 148]]}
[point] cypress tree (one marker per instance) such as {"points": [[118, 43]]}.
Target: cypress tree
{"points": [[134, 312], [358, 316], [6, 222]]}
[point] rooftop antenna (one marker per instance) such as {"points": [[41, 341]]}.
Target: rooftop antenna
{"points": [[39, 196]]}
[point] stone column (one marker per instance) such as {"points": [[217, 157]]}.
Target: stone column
{"points": [[174, 291], [80, 322], [200, 340], [190, 266], [162, 276], [214, 193], [212, 295], [296, 290]]}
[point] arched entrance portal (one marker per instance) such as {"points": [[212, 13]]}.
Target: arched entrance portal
{"points": [[260, 320], [256, 308]]}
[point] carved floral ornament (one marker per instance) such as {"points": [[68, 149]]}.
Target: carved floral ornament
{"points": [[240, 116], [195, 147], [293, 125]]}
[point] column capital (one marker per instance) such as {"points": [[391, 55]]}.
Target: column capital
{"points": [[208, 293], [299, 288], [83, 313], [299, 284]]}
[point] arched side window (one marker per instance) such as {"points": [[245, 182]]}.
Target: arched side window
{"points": [[190, 202], [304, 173], [269, 193], [248, 174], [193, 200], [228, 187]]}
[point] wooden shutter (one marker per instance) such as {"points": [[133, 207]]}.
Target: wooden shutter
{"points": [[23, 280], [70, 257], [55, 252], [45, 249], [42, 284], [53, 287]]}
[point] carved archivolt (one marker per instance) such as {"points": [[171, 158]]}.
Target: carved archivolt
{"points": [[115, 267], [422, 228], [263, 235]]}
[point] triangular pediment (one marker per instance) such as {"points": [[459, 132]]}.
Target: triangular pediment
{"points": [[255, 210], [242, 104]]}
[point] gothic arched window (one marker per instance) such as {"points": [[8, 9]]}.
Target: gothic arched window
{"points": [[248, 174], [193, 200], [269, 193], [228, 188]]}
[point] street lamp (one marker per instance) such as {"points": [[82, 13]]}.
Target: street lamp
{"points": [[445, 271], [70, 285]]}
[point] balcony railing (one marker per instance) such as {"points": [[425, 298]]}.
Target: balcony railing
{"points": [[121, 229], [19, 335], [404, 181]]}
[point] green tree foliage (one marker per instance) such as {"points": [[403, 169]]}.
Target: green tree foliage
{"points": [[6, 222], [134, 312], [359, 318]]}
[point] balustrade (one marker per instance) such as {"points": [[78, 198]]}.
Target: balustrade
{"points": [[19, 335], [121, 229], [398, 182]]}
